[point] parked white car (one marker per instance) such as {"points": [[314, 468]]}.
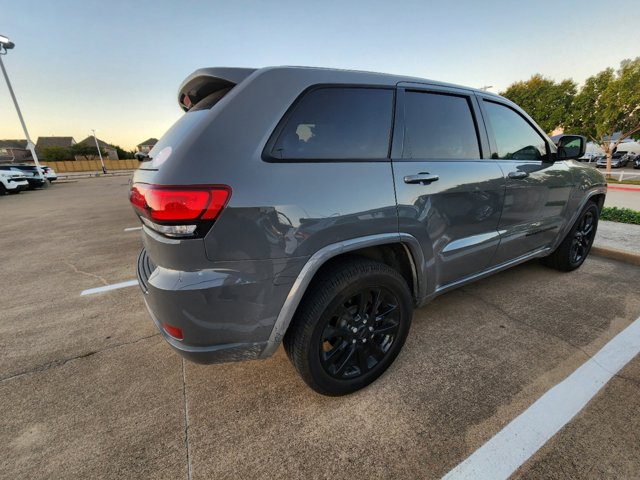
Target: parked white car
{"points": [[12, 181], [49, 173]]}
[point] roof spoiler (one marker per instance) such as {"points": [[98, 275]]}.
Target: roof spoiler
{"points": [[205, 81]]}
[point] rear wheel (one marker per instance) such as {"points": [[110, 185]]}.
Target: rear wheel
{"points": [[574, 249], [350, 327]]}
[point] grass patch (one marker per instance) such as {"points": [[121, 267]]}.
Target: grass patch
{"points": [[623, 182], [622, 215]]}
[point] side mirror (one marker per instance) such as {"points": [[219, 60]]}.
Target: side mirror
{"points": [[571, 147]]}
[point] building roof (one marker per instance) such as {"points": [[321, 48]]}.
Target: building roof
{"points": [[151, 142], [55, 141], [91, 141], [13, 144]]}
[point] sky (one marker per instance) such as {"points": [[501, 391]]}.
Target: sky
{"points": [[115, 66]]}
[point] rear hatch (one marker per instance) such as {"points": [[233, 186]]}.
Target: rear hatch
{"points": [[197, 95], [176, 213]]}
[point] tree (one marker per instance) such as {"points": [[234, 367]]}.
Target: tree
{"points": [[124, 154], [89, 152], [609, 102], [546, 101], [54, 153]]}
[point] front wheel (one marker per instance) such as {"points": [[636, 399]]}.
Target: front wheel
{"points": [[350, 326], [574, 249]]}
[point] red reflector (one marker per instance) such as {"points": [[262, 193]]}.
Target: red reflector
{"points": [[176, 204], [175, 332]]}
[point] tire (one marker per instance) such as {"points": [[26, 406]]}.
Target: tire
{"points": [[359, 294], [3, 189], [576, 246]]}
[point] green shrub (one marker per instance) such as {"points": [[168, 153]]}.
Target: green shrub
{"points": [[624, 182], [622, 215]]}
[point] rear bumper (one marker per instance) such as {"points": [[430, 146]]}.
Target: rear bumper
{"points": [[225, 313], [13, 186], [230, 352], [36, 182]]}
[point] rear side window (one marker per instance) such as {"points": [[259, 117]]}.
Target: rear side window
{"points": [[337, 123], [439, 126], [515, 138]]}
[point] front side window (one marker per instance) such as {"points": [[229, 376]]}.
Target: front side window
{"points": [[439, 126], [336, 123], [515, 138]]}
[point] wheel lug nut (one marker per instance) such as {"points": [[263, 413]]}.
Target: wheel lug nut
{"points": [[353, 341], [371, 329], [364, 340], [354, 330], [364, 321]]}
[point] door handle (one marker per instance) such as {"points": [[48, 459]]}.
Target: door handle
{"points": [[518, 175], [423, 178]]}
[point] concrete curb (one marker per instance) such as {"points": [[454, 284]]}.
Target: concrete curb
{"points": [[620, 255], [628, 188]]}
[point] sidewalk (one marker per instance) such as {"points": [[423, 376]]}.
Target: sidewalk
{"points": [[619, 241], [110, 173], [618, 236]]}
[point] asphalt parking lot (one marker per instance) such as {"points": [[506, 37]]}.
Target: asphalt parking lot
{"points": [[88, 389]]}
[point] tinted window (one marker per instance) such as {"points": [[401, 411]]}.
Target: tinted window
{"points": [[439, 126], [337, 123], [515, 138], [210, 100]]}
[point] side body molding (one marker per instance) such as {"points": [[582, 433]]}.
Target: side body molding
{"points": [[321, 256]]}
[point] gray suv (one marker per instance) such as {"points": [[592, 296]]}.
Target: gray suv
{"points": [[317, 208]]}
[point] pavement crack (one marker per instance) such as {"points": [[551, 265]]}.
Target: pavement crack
{"points": [[82, 272], [186, 420], [64, 361]]}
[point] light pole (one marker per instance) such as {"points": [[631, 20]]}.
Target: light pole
{"points": [[104, 169], [5, 45]]}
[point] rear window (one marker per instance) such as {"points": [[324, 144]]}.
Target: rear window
{"points": [[337, 123], [210, 100], [175, 136], [439, 126]]}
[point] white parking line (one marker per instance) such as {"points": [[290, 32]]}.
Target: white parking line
{"points": [[115, 286], [518, 441], [132, 229]]}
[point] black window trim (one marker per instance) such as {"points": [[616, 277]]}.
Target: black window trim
{"points": [[482, 136], [273, 138], [550, 157]]}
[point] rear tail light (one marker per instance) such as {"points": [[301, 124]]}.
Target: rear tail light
{"points": [[175, 332], [179, 211]]}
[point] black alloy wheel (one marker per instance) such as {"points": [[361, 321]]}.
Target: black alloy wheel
{"points": [[575, 247], [350, 326], [359, 333], [583, 237]]}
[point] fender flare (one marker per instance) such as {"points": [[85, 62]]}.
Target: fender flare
{"points": [[311, 267], [597, 190]]}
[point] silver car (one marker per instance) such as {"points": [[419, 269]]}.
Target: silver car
{"points": [[618, 160], [317, 208]]}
